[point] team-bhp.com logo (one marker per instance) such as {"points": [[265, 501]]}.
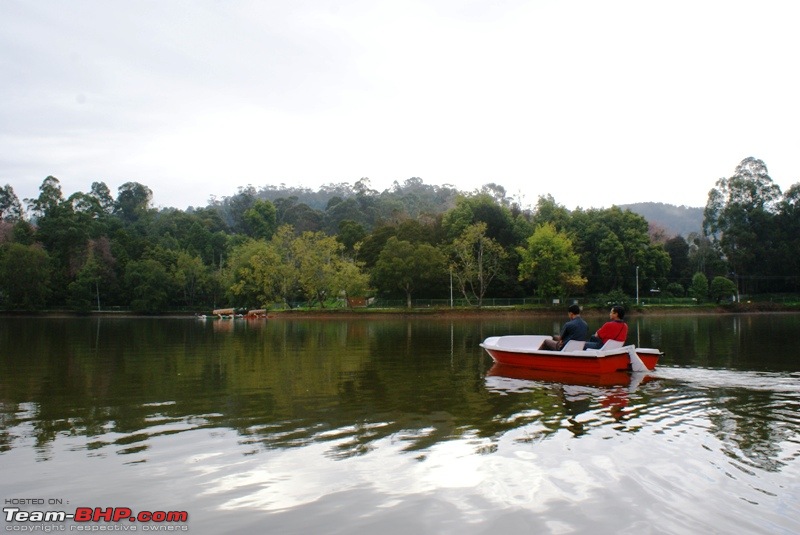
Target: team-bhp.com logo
{"points": [[89, 518]]}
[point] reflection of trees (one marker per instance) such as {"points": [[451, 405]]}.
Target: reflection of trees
{"points": [[289, 383], [737, 341], [753, 424]]}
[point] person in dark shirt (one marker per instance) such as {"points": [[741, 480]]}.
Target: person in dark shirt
{"points": [[575, 329]]}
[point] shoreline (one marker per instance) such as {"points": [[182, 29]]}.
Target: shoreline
{"points": [[494, 312]]}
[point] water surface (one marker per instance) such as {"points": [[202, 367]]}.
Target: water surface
{"points": [[401, 425]]}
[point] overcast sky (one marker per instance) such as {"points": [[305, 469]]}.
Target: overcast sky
{"points": [[594, 102]]}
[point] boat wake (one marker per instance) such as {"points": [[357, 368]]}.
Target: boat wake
{"points": [[720, 378]]}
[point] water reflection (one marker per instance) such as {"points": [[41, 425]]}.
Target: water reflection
{"points": [[273, 415]]}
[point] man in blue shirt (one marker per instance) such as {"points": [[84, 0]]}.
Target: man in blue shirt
{"points": [[574, 329]]}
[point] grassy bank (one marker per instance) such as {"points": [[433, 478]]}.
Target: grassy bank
{"points": [[730, 308]]}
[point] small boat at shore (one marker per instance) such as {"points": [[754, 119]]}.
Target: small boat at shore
{"points": [[526, 351]]}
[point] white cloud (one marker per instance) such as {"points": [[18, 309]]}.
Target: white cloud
{"points": [[593, 102]]}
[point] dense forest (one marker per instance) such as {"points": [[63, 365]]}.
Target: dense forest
{"points": [[277, 247]]}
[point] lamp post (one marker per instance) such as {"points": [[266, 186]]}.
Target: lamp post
{"points": [[451, 286], [637, 285]]}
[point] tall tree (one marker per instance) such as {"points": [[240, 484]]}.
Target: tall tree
{"points": [[476, 260], [133, 201], [10, 207], [50, 197], [739, 217], [406, 266]]}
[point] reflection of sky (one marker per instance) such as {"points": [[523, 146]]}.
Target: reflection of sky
{"points": [[680, 462]]}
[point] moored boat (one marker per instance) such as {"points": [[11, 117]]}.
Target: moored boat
{"points": [[526, 351]]}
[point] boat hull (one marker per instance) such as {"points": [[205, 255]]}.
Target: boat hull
{"points": [[617, 378], [525, 352]]}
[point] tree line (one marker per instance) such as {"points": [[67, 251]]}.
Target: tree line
{"points": [[279, 246]]}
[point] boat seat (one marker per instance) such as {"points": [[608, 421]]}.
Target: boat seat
{"points": [[612, 344], [573, 345]]}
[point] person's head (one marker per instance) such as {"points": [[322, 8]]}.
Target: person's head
{"points": [[574, 310], [617, 312]]}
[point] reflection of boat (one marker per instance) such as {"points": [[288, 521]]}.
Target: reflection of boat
{"points": [[220, 313], [526, 351], [611, 390], [618, 378]]}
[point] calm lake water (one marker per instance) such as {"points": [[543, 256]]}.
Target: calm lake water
{"points": [[398, 426]]}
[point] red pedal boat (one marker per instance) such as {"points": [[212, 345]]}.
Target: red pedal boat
{"points": [[526, 351]]}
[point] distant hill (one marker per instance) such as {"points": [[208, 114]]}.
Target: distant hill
{"points": [[677, 220]]}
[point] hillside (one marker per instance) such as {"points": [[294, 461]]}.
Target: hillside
{"points": [[677, 220]]}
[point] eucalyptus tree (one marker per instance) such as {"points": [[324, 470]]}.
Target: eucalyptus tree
{"points": [[49, 199], [10, 207], [63, 231], [133, 201], [476, 261], [102, 195], [788, 238], [739, 217]]}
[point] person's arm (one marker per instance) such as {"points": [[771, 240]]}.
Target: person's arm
{"points": [[603, 332]]}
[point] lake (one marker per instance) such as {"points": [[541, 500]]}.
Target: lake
{"points": [[394, 426]]}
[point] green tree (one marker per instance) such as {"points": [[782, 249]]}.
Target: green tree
{"points": [[191, 276], [699, 288], [50, 197], [678, 250], [323, 270], [133, 201], [24, 276], [722, 287], [739, 217], [611, 243], [84, 292], [480, 208], [350, 233], [149, 284], [476, 260], [550, 262], [254, 269], [787, 239], [260, 220], [10, 207], [405, 266], [102, 196]]}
